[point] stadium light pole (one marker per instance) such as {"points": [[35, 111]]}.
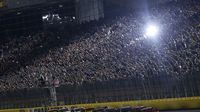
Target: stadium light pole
{"points": [[51, 83], [53, 95], [54, 83]]}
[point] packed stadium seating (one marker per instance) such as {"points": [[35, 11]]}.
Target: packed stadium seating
{"points": [[115, 49]]}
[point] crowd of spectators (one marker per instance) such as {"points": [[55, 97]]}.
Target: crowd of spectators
{"points": [[116, 49]]}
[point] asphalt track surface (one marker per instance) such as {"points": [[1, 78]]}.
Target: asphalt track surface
{"points": [[183, 111]]}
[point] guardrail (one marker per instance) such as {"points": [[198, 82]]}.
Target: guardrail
{"points": [[161, 104]]}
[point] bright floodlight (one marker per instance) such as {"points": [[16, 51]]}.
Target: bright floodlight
{"points": [[152, 31]]}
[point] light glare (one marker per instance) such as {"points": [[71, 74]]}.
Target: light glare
{"points": [[152, 31]]}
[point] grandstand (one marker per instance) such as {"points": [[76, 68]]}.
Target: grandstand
{"points": [[99, 55]]}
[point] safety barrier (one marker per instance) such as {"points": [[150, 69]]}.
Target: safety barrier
{"points": [[161, 104]]}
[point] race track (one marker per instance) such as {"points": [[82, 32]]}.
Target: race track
{"points": [[183, 111]]}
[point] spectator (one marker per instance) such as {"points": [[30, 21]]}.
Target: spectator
{"points": [[115, 50]]}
